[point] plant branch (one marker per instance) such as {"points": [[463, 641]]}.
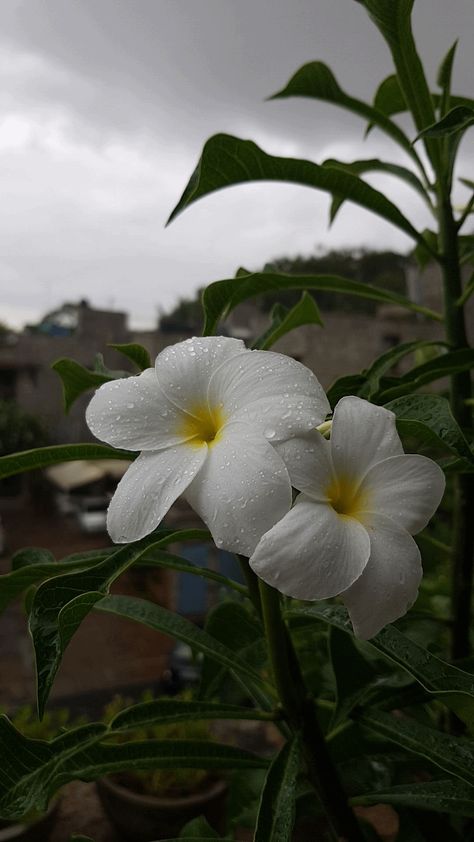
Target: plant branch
{"points": [[299, 709]]}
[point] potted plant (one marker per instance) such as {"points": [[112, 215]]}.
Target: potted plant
{"points": [[35, 826], [157, 803]]}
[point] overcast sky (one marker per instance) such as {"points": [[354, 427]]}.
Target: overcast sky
{"points": [[105, 106]]}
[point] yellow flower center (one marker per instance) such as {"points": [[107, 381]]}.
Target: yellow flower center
{"points": [[202, 425], [346, 498]]}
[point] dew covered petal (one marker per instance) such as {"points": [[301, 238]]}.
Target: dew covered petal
{"points": [[275, 394], [309, 464], [312, 553], [362, 435], [407, 488], [184, 370], [148, 489], [388, 586], [134, 413], [242, 490]]}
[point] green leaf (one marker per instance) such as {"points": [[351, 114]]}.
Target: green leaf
{"points": [[452, 685], [389, 98], [161, 619], [375, 165], [276, 813], [43, 457], [456, 121], [31, 555], [434, 412], [386, 361], [441, 366], [52, 625], [352, 673], [421, 254], [18, 580], [305, 312], [32, 770], [161, 711], [160, 558], [198, 828], [443, 79], [228, 160], [452, 754], [134, 352], [316, 80], [220, 297], [76, 380], [468, 291], [348, 385], [231, 624], [444, 796]]}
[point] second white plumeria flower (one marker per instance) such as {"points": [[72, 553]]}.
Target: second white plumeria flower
{"points": [[206, 420], [350, 530]]}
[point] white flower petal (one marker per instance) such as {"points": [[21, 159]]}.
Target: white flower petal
{"points": [[407, 488], [134, 413], [312, 553], [242, 490], [149, 488], [184, 369], [308, 461], [361, 435], [389, 584], [275, 394]]}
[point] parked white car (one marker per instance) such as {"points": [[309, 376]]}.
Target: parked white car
{"points": [[92, 515]]}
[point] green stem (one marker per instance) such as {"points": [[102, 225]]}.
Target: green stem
{"points": [[463, 524], [299, 710], [251, 580]]}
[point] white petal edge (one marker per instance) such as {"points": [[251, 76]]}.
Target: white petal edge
{"points": [[362, 435], [277, 395], [312, 553], [242, 490], [309, 464], [388, 587], [148, 489], [408, 489], [185, 369], [134, 413]]}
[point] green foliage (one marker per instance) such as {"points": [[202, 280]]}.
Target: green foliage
{"points": [[19, 430], [305, 312], [276, 812], [134, 352], [44, 457]]}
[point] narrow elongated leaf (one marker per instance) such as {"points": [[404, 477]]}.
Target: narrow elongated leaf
{"points": [[375, 165], [441, 366], [276, 812], [220, 297], [198, 828], [32, 770], [14, 583], [44, 457], [160, 558], [316, 80], [468, 291], [389, 98], [305, 312], [134, 352], [435, 413], [435, 675], [443, 78], [231, 624], [454, 122], [228, 160], [51, 629], [352, 673], [165, 711], [351, 384], [76, 380], [386, 361], [445, 796], [452, 754], [394, 22], [178, 627]]}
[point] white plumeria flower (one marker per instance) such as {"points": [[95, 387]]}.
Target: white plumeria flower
{"points": [[349, 532], [206, 420]]}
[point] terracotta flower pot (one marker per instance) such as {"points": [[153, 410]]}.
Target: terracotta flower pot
{"points": [[145, 818]]}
